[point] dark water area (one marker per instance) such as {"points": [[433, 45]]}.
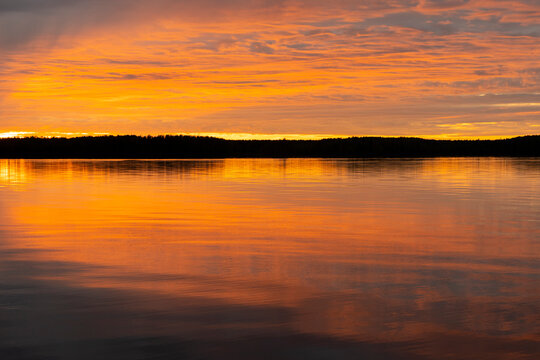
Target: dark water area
{"points": [[270, 259]]}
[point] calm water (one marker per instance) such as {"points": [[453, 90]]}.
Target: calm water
{"points": [[270, 259]]}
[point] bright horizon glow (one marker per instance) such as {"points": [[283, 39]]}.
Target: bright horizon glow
{"points": [[246, 136]]}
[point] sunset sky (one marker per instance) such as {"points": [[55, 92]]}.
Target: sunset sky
{"points": [[270, 68]]}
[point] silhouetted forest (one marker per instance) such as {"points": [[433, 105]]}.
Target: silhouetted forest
{"points": [[132, 147]]}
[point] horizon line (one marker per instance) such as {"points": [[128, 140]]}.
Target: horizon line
{"points": [[254, 136]]}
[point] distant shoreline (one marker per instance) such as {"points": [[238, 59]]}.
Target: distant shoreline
{"points": [[198, 147]]}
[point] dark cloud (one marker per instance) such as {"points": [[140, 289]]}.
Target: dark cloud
{"points": [[300, 46], [152, 76], [491, 83], [444, 4], [483, 72], [26, 20], [491, 71], [532, 71], [453, 23], [135, 62], [497, 82], [261, 48], [22, 21], [112, 76], [214, 42], [35, 6]]}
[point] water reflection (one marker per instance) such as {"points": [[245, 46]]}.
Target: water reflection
{"points": [[318, 259]]}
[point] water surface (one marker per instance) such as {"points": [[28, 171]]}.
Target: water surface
{"points": [[270, 259]]}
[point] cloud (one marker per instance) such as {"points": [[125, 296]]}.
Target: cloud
{"points": [[453, 23], [23, 21], [443, 4], [259, 47], [112, 65], [532, 71], [216, 41], [300, 46], [127, 76], [496, 82]]}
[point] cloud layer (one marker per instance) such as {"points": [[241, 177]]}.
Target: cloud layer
{"points": [[427, 67]]}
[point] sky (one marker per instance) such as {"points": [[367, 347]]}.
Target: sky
{"points": [[270, 68]]}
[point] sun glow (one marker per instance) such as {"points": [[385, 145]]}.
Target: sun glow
{"points": [[280, 71], [248, 136]]}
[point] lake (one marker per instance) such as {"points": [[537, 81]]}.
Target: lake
{"points": [[270, 259]]}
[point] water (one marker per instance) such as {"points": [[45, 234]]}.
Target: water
{"points": [[270, 259]]}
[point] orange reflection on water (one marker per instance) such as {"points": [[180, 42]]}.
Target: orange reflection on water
{"points": [[421, 252]]}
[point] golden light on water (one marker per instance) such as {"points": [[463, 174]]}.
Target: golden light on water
{"points": [[412, 252]]}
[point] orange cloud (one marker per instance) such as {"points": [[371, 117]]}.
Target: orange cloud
{"points": [[270, 67]]}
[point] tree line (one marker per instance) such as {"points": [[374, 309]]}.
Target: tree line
{"points": [[182, 146]]}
